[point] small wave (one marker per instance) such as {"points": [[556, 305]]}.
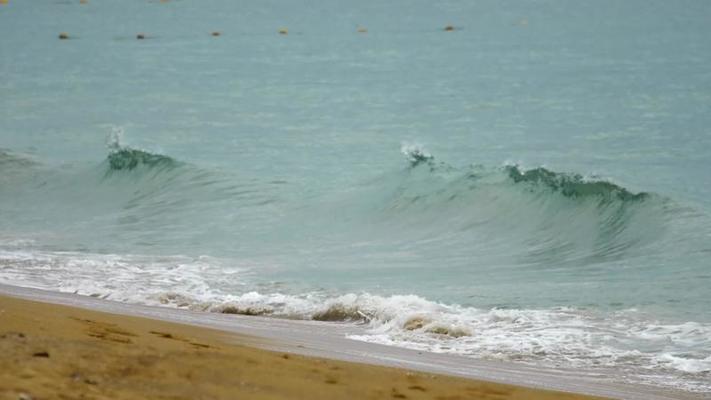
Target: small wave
{"points": [[339, 312], [425, 324], [9, 159], [252, 311], [15, 167]]}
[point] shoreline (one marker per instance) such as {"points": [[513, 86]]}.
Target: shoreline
{"points": [[314, 343]]}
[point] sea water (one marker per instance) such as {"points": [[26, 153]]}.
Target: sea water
{"points": [[532, 185]]}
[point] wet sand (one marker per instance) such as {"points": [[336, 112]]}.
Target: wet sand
{"points": [[50, 351]]}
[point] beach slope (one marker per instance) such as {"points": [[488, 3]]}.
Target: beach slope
{"points": [[52, 351]]}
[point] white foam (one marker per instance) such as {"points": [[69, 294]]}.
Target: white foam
{"points": [[138, 279], [414, 151], [641, 349], [114, 138], [685, 363]]}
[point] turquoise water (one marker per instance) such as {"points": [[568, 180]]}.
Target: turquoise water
{"points": [[532, 186]]}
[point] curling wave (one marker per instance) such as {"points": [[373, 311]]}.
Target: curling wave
{"points": [[124, 158], [572, 185], [528, 265]]}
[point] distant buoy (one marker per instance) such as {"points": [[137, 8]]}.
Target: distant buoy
{"points": [[63, 35], [140, 36], [83, 1], [449, 28], [361, 30], [283, 31], [215, 33]]}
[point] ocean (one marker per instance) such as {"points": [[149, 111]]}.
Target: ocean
{"points": [[532, 185]]}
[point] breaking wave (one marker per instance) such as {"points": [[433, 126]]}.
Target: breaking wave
{"points": [[572, 185], [124, 158], [645, 350], [504, 262], [569, 185], [129, 159], [637, 345]]}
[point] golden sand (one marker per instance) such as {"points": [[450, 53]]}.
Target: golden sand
{"points": [[56, 352]]}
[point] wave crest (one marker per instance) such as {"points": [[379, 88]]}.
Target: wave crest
{"points": [[127, 159], [416, 154], [572, 185], [9, 159], [124, 158]]}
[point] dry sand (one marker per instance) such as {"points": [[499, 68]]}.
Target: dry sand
{"points": [[50, 351]]}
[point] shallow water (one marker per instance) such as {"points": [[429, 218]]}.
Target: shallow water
{"points": [[532, 186]]}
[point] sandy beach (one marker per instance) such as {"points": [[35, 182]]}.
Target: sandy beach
{"points": [[51, 351]]}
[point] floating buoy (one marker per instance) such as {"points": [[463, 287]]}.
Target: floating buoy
{"points": [[140, 36], [283, 31], [63, 35], [215, 33], [361, 30], [449, 28], [83, 1]]}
